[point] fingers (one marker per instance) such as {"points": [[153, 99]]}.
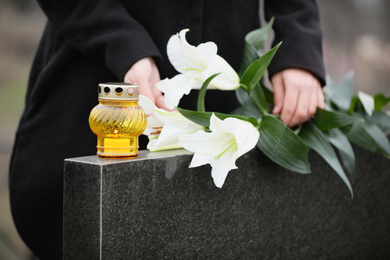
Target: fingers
{"points": [[295, 105], [158, 96], [145, 74], [146, 89], [297, 94], [305, 108], [155, 74], [277, 82]]}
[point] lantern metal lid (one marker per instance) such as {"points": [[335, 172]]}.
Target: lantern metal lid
{"points": [[118, 91]]}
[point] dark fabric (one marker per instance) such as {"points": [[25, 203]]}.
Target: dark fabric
{"points": [[87, 42], [302, 44]]}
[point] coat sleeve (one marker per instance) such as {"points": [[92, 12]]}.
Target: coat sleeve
{"points": [[103, 30], [297, 24]]}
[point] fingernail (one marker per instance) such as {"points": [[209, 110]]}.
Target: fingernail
{"points": [[276, 108]]}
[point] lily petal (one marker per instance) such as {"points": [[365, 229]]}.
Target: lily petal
{"points": [[175, 118], [168, 139], [230, 138], [199, 142], [146, 104], [196, 65], [175, 88], [174, 126], [245, 142], [208, 52], [153, 122], [182, 55], [227, 80], [219, 172]]}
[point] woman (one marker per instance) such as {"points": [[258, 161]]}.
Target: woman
{"points": [[87, 42]]}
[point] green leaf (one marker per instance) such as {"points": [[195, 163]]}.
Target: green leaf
{"points": [[250, 55], [257, 37], [202, 93], [381, 101], [253, 42], [203, 118], [248, 104], [200, 118], [326, 120], [355, 105], [382, 120], [282, 145], [316, 140], [252, 102], [243, 111], [259, 98], [255, 71], [249, 119], [269, 96], [368, 136], [255, 101], [340, 141], [264, 97], [340, 94]]}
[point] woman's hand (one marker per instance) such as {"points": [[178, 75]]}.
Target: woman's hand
{"points": [[297, 94], [145, 74]]}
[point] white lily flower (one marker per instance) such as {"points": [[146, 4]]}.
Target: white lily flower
{"points": [[164, 128], [196, 65], [229, 139], [175, 125]]}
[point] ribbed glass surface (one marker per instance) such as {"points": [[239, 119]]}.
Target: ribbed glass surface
{"points": [[117, 119], [117, 125]]}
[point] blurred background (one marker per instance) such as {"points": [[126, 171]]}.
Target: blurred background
{"points": [[356, 37]]}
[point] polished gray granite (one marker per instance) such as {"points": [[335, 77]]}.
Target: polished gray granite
{"points": [[155, 207]]}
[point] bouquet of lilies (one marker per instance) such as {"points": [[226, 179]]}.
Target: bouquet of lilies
{"points": [[220, 139]]}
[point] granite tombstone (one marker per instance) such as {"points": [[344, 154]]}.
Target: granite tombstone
{"points": [[155, 207]]}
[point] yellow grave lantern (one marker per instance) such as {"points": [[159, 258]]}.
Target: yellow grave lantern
{"points": [[117, 120]]}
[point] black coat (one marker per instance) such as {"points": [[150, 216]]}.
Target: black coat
{"points": [[87, 42]]}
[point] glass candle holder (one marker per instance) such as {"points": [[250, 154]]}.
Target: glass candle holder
{"points": [[117, 120]]}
